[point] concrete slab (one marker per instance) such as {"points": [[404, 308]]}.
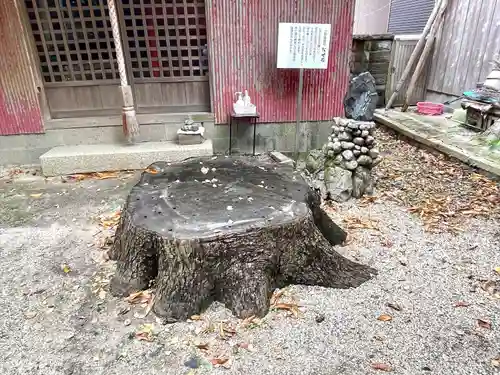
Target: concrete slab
{"points": [[444, 135], [65, 160]]}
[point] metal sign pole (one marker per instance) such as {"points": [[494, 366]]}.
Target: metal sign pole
{"points": [[299, 114]]}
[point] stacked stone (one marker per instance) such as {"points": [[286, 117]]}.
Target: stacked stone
{"points": [[352, 144], [343, 169]]}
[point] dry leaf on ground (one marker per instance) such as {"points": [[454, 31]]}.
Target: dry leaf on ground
{"points": [[394, 306], [145, 333], [65, 268], [385, 318], [484, 324], [462, 304], [382, 367], [151, 170], [202, 345], [142, 297], [442, 192], [110, 221], [495, 362], [38, 195], [221, 361], [352, 222], [291, 307]]}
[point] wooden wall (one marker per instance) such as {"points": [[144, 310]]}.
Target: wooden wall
{"points": [[467, 44]]}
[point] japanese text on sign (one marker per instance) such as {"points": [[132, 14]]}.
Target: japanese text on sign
{"points": [[303, 45]]}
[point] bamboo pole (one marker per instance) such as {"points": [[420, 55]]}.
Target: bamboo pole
{"points": [[425, 53], [415, 53], [129, 118]]}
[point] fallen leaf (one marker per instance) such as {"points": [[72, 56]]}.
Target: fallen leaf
{"points": [[36, 195], [360, 223], [141, 297], [382, 367], [394, 306], [497, 270], [151, 170], [196, 317], [65, 268], [105, 175], [202, 346], [111, 220], [219, 361], [385, 318], [462, 304], [276, 296], [291, 307], [495, 362], [145, 333], [30, 314], [484, 324], [251, 322]]}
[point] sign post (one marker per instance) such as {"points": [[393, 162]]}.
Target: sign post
{"points": [[302, 46]]}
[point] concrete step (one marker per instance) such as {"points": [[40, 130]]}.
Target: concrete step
{"points": [[64, 160]]}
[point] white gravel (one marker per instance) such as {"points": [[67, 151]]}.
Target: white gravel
{"points": [[54, 323]]}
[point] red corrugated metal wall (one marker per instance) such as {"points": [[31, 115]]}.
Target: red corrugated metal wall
{"points": [[243, 37], [19, 105]]}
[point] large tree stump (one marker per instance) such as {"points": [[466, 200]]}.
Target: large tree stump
{"points": [[226, 229]]}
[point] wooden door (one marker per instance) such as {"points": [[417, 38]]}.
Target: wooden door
{"points": [[167, 44]]}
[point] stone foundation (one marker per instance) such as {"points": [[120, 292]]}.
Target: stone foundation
{"points": [[342, 169]]}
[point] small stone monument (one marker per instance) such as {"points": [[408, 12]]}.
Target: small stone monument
{"points": [[343, 168], [190, 133]]}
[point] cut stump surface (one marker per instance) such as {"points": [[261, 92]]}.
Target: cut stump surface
{"points": [[226, 229]]}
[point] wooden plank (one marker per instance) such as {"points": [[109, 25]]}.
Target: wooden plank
{"points": [[108, 38], [188, 37], [149, 94], [492, 47], [64, 32], [174, 108], [438, 76], [57, 52], [111, 97], [173, 79], [86, 39], [97, 42], [147, 38], [197, 92], [155, 118], [175, 94], [465, 53], [109, 82], [167, 39], [45, 55]]}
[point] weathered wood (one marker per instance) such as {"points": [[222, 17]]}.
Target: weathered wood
{"points": [[415, 54], [226, 229]]}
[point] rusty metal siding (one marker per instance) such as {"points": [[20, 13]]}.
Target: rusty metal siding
{"points": [[469, 41], [243, 37], [19, 105]]}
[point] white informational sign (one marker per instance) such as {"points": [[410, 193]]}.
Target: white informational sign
{"points": [[303, 45]]}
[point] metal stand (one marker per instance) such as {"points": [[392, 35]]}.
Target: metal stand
{"points": [[299, 114], [250, 119]]}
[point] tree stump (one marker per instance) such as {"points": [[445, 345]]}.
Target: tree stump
{"points": [[226, 229]]}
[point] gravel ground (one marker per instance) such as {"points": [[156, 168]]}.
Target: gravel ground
{"points": [[57, 317]]}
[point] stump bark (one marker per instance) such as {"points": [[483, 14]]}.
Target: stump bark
{"points": [[226, 229]]}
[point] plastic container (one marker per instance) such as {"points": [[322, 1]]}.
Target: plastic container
{"points": [[428, 108]]}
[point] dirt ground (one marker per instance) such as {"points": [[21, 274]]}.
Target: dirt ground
{"points": [[433, 308]]}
